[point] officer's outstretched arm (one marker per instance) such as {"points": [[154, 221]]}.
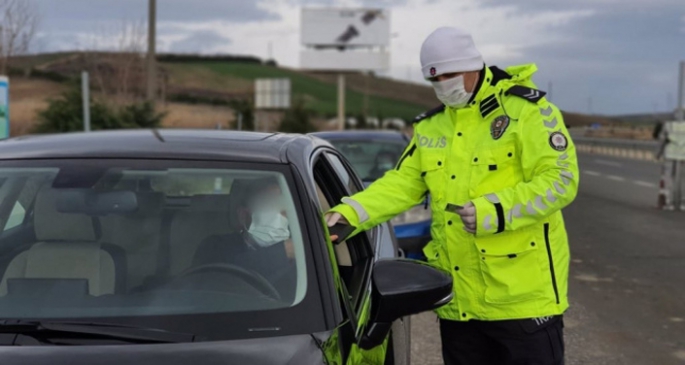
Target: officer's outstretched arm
{"points": [[550, 167], [398, 190]]}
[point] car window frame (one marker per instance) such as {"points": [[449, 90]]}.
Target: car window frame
{"points": [[352, 308]]}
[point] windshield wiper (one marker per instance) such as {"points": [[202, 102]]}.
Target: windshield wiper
{"points": [[92, 330]]}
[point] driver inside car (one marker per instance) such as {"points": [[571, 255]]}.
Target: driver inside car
{"points": [[260, 241]]}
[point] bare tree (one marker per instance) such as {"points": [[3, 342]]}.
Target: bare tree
{"points": [[18, 23], [116, 62]]}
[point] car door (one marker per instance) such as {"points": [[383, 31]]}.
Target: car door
{"points": [[354, 258], [385, 245], [335, 179]]}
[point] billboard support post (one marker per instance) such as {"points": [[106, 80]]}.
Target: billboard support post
{"points": [[680, 113]]}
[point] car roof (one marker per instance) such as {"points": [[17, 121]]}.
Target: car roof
{"points": [[165, 143], [361, 135]]}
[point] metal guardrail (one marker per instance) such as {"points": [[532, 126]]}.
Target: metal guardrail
{"points": [[636, 149]]}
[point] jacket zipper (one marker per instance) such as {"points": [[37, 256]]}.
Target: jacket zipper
{"points": [[409, 153], [551, 263]]}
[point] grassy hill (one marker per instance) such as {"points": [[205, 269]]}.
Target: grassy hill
{"points": [[319, 93], [210, 81]]}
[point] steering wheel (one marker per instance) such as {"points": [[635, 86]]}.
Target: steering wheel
{"points": [[252, 278]]}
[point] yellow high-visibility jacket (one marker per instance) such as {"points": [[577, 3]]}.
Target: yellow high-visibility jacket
{"points": [[510, 154]]}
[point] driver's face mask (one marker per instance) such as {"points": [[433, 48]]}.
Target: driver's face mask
{"points": [[268, 226]]}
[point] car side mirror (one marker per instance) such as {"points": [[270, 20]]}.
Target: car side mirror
{"points": [[402, 288]]}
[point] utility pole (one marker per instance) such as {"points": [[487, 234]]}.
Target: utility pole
{"points": [[680, 113], [85, 93], [341, 101], [151, 51]]}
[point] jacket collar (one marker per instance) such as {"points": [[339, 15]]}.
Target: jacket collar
{"points": [[483, 88]]}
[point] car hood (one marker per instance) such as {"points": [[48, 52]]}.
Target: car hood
{"points": [[291, 350]]}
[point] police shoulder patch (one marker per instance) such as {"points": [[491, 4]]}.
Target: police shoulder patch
{"points": [[558, 141], [428, 114], [528, 93]]}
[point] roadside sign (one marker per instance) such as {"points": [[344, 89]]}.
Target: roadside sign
{"points": [[675, 148], [4, 107]]}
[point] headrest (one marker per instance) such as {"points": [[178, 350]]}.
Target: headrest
{"points": [[210, 203], [51, 225], [149, 204]]}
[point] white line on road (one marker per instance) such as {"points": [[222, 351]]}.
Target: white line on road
{"points": [[591, 173], [608, 163], [616, 178], [645, 184]]}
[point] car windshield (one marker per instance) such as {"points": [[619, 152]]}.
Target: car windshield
{"points": [[371, 158], [140, 239]]}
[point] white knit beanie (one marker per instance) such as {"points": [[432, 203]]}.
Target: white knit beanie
{"points": [[449, 49]]}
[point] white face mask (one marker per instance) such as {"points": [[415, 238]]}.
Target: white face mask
{"points": [[268, 227], [451, 92]]}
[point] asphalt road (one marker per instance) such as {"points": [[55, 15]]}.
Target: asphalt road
{"points": [[627, 280]]}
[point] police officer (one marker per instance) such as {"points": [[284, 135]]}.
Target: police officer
{"points": [[499, 165]]}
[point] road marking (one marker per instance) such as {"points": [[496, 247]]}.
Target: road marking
{"points": [[608, 163], [593, 278], [644, 184], [592, 173], [680, 354], [616, 178]]}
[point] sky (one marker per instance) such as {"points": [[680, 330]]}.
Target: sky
{"points": [[597, 56]]}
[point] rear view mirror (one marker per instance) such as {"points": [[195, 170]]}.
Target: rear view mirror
{"points": [[402, 288], [87, 201]]}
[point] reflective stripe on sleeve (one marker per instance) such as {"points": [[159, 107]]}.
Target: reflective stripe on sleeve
{"points": [[550, 196], [361, 212], [566, 177], [559, 188], [486, 223], [546, 112], [551, 124], [492, 198], [515, 212]]}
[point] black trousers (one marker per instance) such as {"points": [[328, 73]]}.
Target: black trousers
{"points": [[537, 341]]}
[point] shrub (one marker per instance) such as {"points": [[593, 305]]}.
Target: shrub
{"points": [[65, 114], [297, 119]]}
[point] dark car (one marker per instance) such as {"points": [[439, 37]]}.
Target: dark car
{"points": [[180, 247], [372, 154]]}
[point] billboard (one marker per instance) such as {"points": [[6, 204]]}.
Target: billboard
{"points": [[345, 27], [272, 93], [333, 60], [4, 107]]}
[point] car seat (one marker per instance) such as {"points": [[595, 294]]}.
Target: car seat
{"points": [[66, 248]]}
